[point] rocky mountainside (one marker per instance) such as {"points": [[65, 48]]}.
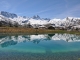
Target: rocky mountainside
{"points": [[7, 18], [8, 15]]}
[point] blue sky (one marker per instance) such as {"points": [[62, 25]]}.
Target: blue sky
{"points": [[43, 8]]}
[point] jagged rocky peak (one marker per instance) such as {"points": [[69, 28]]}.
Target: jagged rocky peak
{"points": [[8, 15], [69, 18], [36, 17], [24, 17], [47, 19]]}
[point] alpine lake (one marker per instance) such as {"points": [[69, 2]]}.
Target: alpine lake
{"points": [[40, 47]]}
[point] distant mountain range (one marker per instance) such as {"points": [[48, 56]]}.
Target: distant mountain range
{"points": [[7, 18]]}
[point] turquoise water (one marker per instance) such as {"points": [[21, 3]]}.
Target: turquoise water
{"points": [[40, 47]]}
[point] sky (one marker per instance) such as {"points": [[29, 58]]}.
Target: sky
{"points": [[43, 8]]}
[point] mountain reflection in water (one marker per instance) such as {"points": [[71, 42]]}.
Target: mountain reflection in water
{"points": [[13, 40], [40, 47]]}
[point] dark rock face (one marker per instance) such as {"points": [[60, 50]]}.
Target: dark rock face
{"points": [[8, 15], [3, 23], [36, 17]]}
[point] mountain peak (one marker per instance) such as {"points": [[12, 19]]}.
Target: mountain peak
{"points": [[8, 15], [36, 17]]}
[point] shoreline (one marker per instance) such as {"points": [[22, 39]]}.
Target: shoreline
{"points": [[21, 30]]}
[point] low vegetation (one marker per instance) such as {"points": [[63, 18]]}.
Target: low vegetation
{"points": [[33, 30]]}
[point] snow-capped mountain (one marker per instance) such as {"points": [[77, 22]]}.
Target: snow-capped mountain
{"points": [[36, 17], [22, 19], [8, 15], [37, 20]]}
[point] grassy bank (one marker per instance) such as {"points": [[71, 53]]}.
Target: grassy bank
{"points": [[33, 31]]}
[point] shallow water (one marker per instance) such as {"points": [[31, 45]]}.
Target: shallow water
{"points": [[40, 47]]}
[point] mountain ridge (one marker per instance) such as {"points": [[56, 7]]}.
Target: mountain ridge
{"points": [[37, 20]]}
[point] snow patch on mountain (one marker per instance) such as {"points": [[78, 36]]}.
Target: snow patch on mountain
{"points": [[41, 22], [21, 20]]}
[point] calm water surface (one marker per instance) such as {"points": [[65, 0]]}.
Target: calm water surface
{"points": [[40, 47]]}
